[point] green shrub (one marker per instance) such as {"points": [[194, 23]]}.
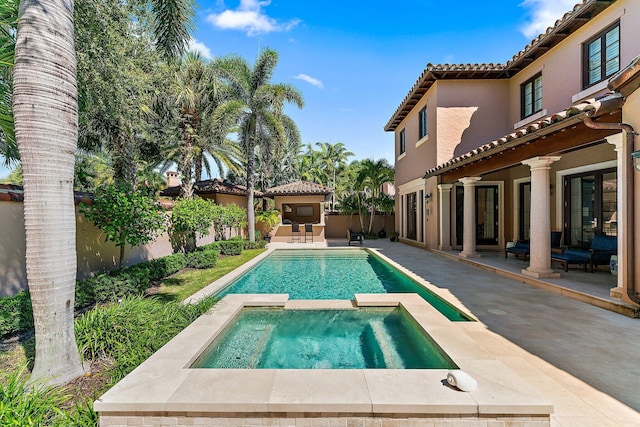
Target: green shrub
{"points": [[121, 332], [162, 267], [29, 405], [203, 259], [15, 314], [226, 247], [258, 244]]}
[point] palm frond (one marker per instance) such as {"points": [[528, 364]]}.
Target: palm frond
{"points": [[174, 23]]}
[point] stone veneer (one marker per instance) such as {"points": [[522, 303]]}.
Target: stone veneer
{"points": [[318, 420]]}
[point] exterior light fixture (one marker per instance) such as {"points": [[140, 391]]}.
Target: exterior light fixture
{"points": [[636, 160]]}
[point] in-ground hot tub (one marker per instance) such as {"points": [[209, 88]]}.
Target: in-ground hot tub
{"points": [[167, 390], [369, 338]]}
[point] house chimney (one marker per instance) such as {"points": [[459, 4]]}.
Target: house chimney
{"points": [[172, 179]]}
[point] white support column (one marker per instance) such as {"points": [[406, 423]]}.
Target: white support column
{"points": [[469, 234], [621, 227], [444, 216], [540, 240]]}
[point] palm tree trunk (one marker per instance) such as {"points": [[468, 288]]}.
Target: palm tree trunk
{"points": [[251, 154], [46, 123]]}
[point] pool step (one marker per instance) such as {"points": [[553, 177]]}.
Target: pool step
{"points": [[377, 339]]}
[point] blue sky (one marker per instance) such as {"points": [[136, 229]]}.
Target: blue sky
{"points": [[354, 61]]}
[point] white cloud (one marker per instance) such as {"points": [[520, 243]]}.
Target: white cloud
{"points": [[250, 18], [310, 80], [199, 47], [544, 13]]}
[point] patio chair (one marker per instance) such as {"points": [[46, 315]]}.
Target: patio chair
{"points": [[295, 232], [352, 236], [521, 248], [602, 247], [556, 242], [308, 228]]}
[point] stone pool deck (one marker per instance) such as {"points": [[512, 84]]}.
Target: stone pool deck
{"points": [[579, 358]]}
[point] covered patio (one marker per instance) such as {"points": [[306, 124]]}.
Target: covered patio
{"points": [[301, 206]]}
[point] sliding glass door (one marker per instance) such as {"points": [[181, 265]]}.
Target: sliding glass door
{"points": [[590, 202], [487, 210]]}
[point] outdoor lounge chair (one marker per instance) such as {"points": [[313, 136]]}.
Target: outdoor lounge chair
{"points": [[352, 236], [521, 248], [571, 256], [602, 247]]}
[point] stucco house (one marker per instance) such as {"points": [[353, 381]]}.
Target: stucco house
{"points": [[488, 154]]}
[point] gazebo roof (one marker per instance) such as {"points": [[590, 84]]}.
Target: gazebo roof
{"points": [[299, 188]]}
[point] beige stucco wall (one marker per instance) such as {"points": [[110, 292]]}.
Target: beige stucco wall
{"points": [[420, 155], [561, 67], [337, 225], [94, 254], [470, 113]]}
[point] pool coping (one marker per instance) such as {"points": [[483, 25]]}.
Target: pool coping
{"points": [[165, 383]]}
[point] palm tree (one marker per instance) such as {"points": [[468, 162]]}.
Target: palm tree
{"points": [[311, 166], [335, 157], [195, 94], [256, 105], [45, 108], [370, 178]]}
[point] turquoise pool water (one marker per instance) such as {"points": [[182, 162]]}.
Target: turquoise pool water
{"points": [[324, 339], [331, 274]]}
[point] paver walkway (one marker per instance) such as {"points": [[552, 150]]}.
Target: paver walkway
{"points": [[586, 359]]}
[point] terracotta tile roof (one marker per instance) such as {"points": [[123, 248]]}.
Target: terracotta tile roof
{"points": [[211, 186], [15, 193], [591, 107], [298, 188], [563, 27]]}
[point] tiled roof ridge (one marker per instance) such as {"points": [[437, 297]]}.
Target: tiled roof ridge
{"points": [[216, 185], [577, 8], [589, 106], [298, 187]]}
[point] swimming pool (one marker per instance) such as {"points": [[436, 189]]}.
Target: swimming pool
{"points": [[370, 338], [331, 274]]}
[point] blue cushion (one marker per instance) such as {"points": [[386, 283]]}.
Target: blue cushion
{"points": [[573, 256], [604, 243]]}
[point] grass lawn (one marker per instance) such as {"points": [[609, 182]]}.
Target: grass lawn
{"points": [[186, 283]]}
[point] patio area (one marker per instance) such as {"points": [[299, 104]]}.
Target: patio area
{"points": [[591, 288]]}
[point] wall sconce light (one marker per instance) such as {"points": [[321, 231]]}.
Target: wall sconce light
{"points": [[427, 197], [636, 160]]}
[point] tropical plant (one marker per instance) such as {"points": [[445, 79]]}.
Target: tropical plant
{"points": [[45, 112], [372, 174], [312, 167], [269, 218], [194, 218], [126, 216], [8, 25], [14, 177], [334, 157], [191, 102], [256, 105]]}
